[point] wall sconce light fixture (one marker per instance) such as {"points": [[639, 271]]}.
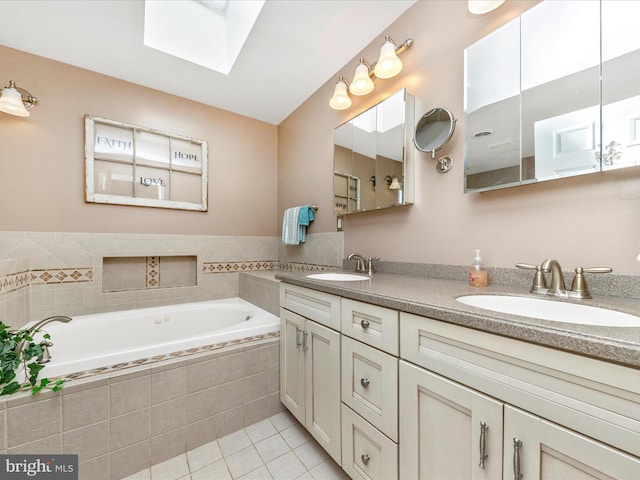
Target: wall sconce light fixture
{"points": [[16, 101], [393, 182], [340, 99], [479, 7], [367, 76]]}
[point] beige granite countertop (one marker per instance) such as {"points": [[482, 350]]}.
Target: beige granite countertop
{"points": [[435, 298]]}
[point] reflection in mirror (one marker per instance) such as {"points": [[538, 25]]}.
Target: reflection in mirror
{"points": [[533, 116], [560, 94], [434, 130], [620, 84], [372, 167]]}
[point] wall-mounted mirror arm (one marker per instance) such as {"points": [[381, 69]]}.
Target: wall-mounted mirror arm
{"points": [[433, 131]]}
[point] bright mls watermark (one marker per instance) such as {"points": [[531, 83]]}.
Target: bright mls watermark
{"points": [[39, 467]]}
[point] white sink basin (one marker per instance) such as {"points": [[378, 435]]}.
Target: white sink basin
{"points": [[553, 310], [338, 277]]}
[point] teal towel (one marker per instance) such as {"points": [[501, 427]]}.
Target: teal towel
{"points": [[295, 223]]}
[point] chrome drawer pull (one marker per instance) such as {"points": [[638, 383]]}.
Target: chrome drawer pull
{"points": [[364, 382], [364, 323], [365, 458]]}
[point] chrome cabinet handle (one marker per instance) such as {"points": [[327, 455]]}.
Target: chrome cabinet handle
{"points": [[364, 382], [483, 444], [305, 347], [298, 338], [365, 458], [364, 323], [517, 444]]}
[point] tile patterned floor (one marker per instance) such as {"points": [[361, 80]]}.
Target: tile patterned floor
{"points": [[277, 448]]}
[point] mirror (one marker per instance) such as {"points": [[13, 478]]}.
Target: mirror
{"points": [[373, 169], [533, 117], [434, 130]]}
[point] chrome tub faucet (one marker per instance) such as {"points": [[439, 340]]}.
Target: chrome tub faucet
{"points": [[45, 357]]}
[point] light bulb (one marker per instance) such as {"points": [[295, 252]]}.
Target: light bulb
{"points": [[11, 102], [340, 99], [479, 7], [388, 65], [361, 83]]}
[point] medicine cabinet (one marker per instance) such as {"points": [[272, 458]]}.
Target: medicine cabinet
{"points": [[552, 94], [373, 157]]}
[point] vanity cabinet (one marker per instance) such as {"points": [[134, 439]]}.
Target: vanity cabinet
{"points": [[546, 413], [310, 363], [396, 395]]}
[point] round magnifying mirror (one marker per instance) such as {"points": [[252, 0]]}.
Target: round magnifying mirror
{"points": [[434, 130]]}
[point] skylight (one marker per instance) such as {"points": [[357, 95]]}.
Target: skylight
{"points": [[209, 33]]}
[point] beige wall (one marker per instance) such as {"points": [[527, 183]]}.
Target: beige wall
{"points": [[42, 157], [588, 221]]}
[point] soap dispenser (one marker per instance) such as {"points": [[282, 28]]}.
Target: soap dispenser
{"points": [[478, 272]]}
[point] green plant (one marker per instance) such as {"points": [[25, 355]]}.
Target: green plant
{"points": [[18, 358]]}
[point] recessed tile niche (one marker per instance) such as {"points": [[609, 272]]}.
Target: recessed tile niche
{"points": [[141, 273]]}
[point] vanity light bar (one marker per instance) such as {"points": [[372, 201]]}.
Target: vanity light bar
{"points": [[368, 75]]}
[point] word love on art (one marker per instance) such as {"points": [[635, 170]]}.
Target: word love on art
{"points": [[148, 181]]}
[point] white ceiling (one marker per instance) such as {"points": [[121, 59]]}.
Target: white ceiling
{"points": [[293, 49]]}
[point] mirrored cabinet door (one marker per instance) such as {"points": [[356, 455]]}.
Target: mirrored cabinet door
{"points": [[373, 168], [620, 84], [560, 89], [536, 102]]}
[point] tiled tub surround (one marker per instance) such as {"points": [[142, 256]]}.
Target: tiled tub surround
{"points": [[139, 273], [125, 421], [66, 268]]}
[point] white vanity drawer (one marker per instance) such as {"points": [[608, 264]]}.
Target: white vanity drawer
{"points": [[371, 324], [366, 453], [322, 307], [370, 385]]}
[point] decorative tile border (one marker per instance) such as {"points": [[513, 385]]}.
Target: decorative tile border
{"points": [[235, 267], [159, 358], [304, 267], [61, 275], [257, 265], [14, 281], [153, 272]]}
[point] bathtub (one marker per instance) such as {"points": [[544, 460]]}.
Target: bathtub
{"points": [[98, 343]]}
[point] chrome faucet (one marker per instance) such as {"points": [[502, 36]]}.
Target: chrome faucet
{"points": [[45, 356], [360, 268], [558, 288], [363, 265]]}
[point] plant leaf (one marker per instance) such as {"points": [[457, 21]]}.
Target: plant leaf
{"points": [[10, 388]]}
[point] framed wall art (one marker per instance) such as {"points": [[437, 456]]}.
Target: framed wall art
{"points": [[132, 165]]}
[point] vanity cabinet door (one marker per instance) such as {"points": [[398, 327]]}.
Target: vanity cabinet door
{"points": [[441, 429], [292, 363], [323, 387], [538, 449]]}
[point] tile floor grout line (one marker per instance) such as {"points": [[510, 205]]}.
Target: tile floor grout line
{"points": [[236, 442]]}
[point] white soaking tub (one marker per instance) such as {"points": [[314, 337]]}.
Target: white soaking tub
{"points": [[98, 343]]}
